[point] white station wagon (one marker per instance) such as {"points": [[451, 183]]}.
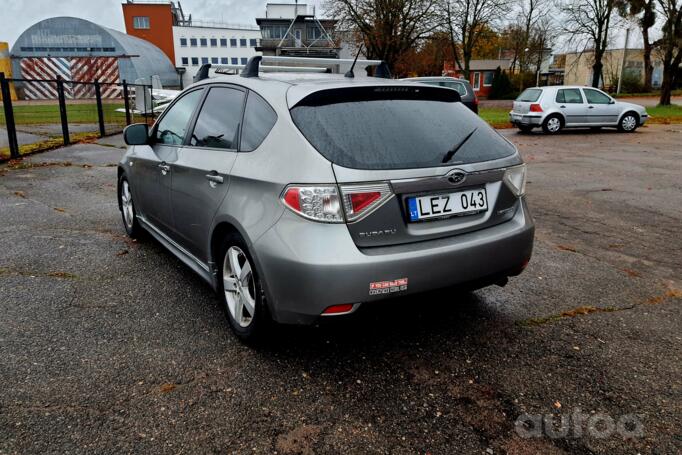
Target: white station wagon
{"points": [[557, 107]]}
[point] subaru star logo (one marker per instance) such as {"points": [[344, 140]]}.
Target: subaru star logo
{"points": [[456, 176]]}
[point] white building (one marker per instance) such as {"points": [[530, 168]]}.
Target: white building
{"points": [[218, 44]]}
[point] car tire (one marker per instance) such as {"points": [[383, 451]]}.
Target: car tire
{"points": [[127, 207], [628, 122], [525, 129], [241, 291], [552, 124]]}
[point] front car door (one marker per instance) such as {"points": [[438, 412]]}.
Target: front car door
{"points": [[201, 174], [152, 164], [571, 105], [601, 109]]}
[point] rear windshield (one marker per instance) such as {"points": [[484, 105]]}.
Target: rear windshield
{"points": [[530, 95], [396, 128]]}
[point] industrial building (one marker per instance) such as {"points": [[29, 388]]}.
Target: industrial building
{"points": [[80, 50], [189, 43]]}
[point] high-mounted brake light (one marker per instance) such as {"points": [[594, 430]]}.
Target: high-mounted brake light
{"points": [[360, 200], [535, 108]]}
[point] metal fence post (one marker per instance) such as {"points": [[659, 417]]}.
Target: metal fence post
{"points": [[100, 111], [126, 102], [62, 110], [9, 117]]}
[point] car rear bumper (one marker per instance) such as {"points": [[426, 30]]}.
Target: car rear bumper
{"points": [[309, 266], [525, 119]]}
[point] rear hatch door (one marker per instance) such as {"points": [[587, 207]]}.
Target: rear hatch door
{"points": [[414, 162], [525, 99]]}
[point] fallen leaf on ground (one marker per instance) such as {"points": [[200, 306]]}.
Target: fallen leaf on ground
{"points": [[567, 248], [60, 209], [20, 194], [165, 388]]}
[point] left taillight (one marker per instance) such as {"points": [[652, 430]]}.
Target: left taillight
{"points": [[327, 203], [535, 108], [317, 203]]}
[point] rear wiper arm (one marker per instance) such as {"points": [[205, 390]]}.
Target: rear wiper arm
{"points": [[448, 156]]}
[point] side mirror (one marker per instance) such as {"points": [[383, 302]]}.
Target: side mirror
{"points": [[612, 102], [136, 134]]}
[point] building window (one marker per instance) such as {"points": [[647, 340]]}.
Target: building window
{"points": [[223, 42], [193, 42], [242, 42], [244, 60], [253, 42], [183, 42], [214, 42], [488, 78], [214, 60], [195, 61], [224, 60], [204, 60], [314, 33], [233, 42], [477, 81], [274, 31], [235, 61], [185, 61], [203, 42], [141, 22]]}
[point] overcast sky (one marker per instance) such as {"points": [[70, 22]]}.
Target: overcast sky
{"points": [[17, 15]]}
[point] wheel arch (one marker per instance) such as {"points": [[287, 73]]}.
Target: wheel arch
{"points": [[629, 111], [120, 173]]}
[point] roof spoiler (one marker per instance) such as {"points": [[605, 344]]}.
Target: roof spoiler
{"points": [[253, 66]]}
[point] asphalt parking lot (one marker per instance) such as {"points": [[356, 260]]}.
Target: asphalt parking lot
{"points": [[109, 345]]}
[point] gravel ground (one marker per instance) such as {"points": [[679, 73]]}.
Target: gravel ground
{"points": [[109, 345]]}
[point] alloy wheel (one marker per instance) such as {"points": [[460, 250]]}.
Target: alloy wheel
{"points": [[629, 122], [239, 286], [127, 205]]}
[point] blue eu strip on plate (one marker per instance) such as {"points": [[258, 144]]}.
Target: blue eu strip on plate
{"points": [[412, 208]]}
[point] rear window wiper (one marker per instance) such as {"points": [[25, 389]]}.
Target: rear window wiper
{"points": [[448, 156]]}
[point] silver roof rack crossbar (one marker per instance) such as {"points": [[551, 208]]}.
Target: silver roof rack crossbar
{"points": [[229, 69], [253, 65]]}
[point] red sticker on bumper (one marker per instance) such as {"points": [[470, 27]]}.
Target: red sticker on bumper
{"points": [[387, 287]]}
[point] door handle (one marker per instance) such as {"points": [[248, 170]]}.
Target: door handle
{"points": [[562, 106], [164, 168], [590, 107], [214, 178]]}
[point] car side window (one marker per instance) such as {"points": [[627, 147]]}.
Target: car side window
{"points": [[259, 118], [218, 122], [596, 97], [173, 125], [569, 95]]}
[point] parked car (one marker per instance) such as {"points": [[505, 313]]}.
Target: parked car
{"points": [[298, 197], [556, 107], [463, 87]]}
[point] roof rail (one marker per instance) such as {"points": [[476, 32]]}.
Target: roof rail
{"points": [[231, 69], [253, 65]]}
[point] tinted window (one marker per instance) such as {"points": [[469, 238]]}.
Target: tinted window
{"points": [[218, 122], [569, 95], [461, 89], [596, 97], [396, 128], [530, 95], [259, 118], [173, 126]]}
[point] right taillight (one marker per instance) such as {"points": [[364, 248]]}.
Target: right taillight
{"points": [[360, 200], [515, 178]]}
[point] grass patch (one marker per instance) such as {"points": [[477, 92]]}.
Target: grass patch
{"points": [[33, 114], [665, 114], [497, 117], [48, 144], [677, 92]]}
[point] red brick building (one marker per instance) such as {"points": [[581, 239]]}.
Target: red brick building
{"points": [[481, 73]]}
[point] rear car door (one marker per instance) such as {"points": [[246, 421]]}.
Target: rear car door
{"points": [[201, 174], [418, 165], [571, 104], [152, 164], [601, 110]]}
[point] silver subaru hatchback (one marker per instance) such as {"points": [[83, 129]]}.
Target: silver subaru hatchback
{"points": [[298, 197]]}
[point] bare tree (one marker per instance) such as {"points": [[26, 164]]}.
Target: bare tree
{"points": [[388, 28], [670, 45], [644, 11], [465, 20], [589, 20], [535, 19]]}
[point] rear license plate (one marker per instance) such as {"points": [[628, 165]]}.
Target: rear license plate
{"points": [[516, 116], [444, 205]]}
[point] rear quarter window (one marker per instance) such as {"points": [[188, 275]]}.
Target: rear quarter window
{"points": [[530, 95], [396, 128]]}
